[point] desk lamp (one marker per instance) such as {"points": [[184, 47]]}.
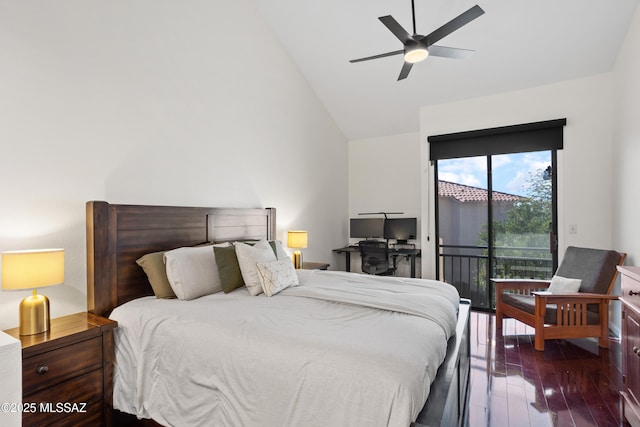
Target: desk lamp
{"points": [[29, 270], [298, 240]]}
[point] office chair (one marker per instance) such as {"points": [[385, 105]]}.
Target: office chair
{"points": [[375, 257]]}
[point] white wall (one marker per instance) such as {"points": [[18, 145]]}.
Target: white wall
{"points": [[383, 177], [598, 171], [626, 149], [584, 165], [155, 102]]}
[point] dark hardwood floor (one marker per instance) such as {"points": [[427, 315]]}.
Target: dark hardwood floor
{"points": [[513, 385]]}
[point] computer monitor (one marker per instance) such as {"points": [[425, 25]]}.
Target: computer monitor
{"points": [[366, 228], [400, 229]]}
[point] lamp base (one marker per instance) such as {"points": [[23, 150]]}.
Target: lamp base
{"points": [[297, 259], [34, 314]]}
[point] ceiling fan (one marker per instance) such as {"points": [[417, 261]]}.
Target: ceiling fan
{"points": [[417, 47]]}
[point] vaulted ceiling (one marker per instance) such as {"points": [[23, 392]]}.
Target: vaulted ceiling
{"points": [[518, 44]]}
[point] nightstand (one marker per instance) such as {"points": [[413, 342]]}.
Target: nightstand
{"points": [[315, 266], [67, 372]]}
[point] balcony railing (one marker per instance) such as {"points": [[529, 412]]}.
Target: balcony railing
{"points": [[465, 267]]}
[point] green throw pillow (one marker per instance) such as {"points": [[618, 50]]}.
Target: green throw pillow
{"points": [[228, 267]]}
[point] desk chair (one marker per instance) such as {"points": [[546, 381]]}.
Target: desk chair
{"points": [[375, 257]]}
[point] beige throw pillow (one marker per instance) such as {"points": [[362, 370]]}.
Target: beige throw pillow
{"points": [[153, 266]]}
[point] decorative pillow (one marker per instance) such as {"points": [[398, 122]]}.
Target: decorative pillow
{"points": [[228, 268], [192, 271], [153, 266], [276, 276], [563, 285], [248, 257], [276, 245]]}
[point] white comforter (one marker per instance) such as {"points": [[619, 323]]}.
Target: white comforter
{"points": [[295, 359]]}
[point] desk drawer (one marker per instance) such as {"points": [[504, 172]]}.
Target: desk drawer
{"points": [[52, 367]]}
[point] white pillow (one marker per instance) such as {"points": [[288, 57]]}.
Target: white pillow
{"points": [[248, 256], [276, 276], [563, 285], [192, 271], [280, 252]]}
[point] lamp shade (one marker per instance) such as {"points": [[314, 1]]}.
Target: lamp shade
{"points": [[32, 269], [297, 239]]}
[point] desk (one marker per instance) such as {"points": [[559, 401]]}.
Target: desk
{"points": [[394, 253]]}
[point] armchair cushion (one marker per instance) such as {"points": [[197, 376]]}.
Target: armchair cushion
{"points": [[595, 267], [527, 303]]}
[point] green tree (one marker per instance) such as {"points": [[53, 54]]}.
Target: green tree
{"points": [[527, 222], [520, 236], [531, 214]]}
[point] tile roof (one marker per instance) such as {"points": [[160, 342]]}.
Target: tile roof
{"points": [[466, 193]]}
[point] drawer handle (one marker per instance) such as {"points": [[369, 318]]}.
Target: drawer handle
{"points": [[632, 293], [42, 369]]}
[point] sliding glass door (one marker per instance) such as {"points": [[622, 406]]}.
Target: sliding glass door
{"points": [[522, 236], [462, 216], [496, 205], [496, 218]]}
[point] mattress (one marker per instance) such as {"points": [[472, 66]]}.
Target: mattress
{"points": [[340, 349]]}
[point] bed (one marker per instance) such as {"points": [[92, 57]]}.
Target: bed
{"points": [[325, 374]]}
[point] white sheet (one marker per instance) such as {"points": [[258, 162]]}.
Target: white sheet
{"points": [[294, 359]]}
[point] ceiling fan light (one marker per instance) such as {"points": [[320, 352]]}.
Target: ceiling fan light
{"points": [[415, 54]]}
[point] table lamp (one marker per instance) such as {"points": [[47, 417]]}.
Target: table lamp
{"points": [[29, 270], [297, 239]]}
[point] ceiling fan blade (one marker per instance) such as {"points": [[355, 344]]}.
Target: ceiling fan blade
{"points": [[450, 52], [456, 23], [405, 70], [382, 55], [396, 29]]}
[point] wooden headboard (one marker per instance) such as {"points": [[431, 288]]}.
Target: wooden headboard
{"points": [[117, 235]]}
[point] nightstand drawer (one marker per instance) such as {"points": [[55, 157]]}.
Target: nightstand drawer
{"points": [[77, 395], [63, 416], [91, 418], [49, 368]]}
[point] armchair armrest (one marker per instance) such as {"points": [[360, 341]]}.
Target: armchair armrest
{"points": [[576, 296], [521, 286]]}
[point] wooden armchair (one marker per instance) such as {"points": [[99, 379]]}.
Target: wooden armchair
{"points": [[573, 315]]}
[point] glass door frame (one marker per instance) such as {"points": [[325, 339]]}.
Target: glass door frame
{"points": [[553, 232]]}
